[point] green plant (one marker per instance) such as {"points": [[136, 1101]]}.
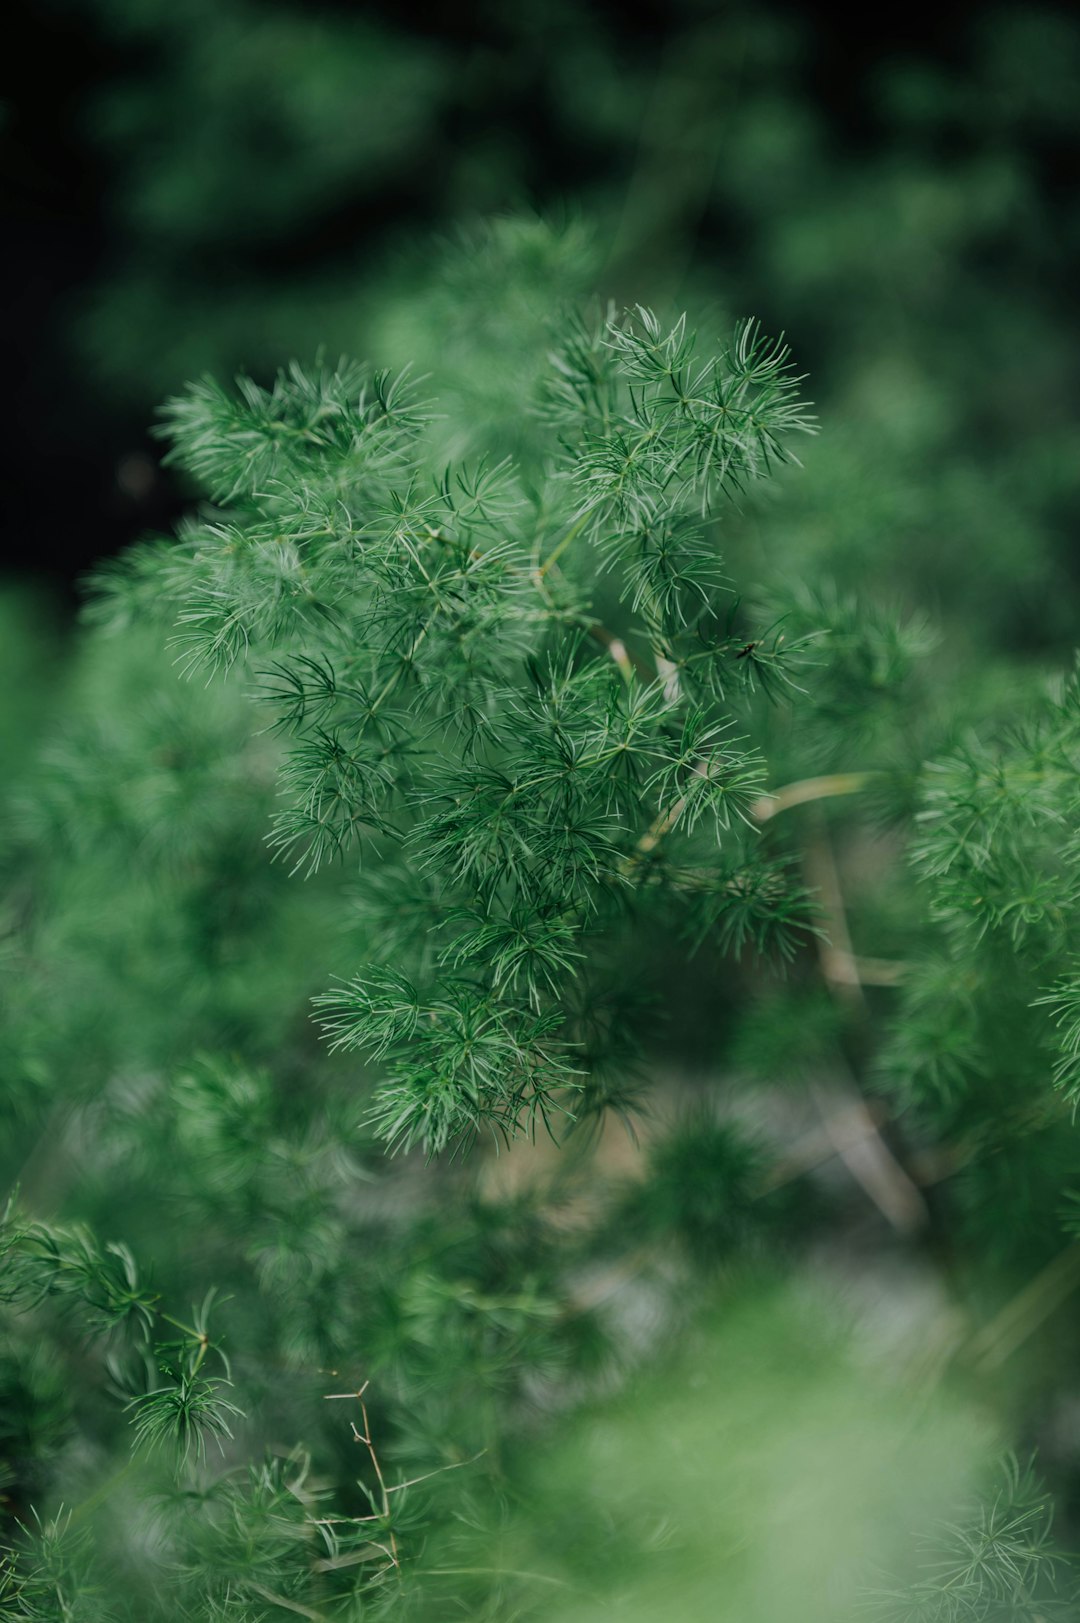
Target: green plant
{"points": [[497, 741], [519, 778]]}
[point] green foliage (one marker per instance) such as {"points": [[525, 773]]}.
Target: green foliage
{"points": [[1000, 1561], [706, 1188], [433, 657], [580, 786], [101, 1282], [983, 1042]]}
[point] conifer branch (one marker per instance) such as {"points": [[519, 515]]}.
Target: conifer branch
{"points": [[435, 709]]}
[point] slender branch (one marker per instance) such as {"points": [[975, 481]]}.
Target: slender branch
{"points": [[455, 1465], [873, 1165], [1029, 1308], [574, 531], [835, 951], [286, 1604], [808, 789], [666, 821], [354, 1558], [869, 1160], [366, 1439], [627, 661], [867, 971], [389, 686], [493, 1572], [103, 1491], [659, 827], [846, 1127]]}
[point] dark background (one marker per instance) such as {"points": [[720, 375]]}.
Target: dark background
{"points": [[81, 476]]}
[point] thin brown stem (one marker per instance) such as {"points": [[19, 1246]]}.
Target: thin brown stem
{"points": [[288, 1605], [629, 663], [869, 1159], [367, 1440], [809, 789], [835, 951]]}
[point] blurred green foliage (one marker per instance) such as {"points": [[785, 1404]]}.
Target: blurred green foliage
{"points": [[271, 164]]}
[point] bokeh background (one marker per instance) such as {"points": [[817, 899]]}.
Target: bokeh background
{"points": [[216, 183]]}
